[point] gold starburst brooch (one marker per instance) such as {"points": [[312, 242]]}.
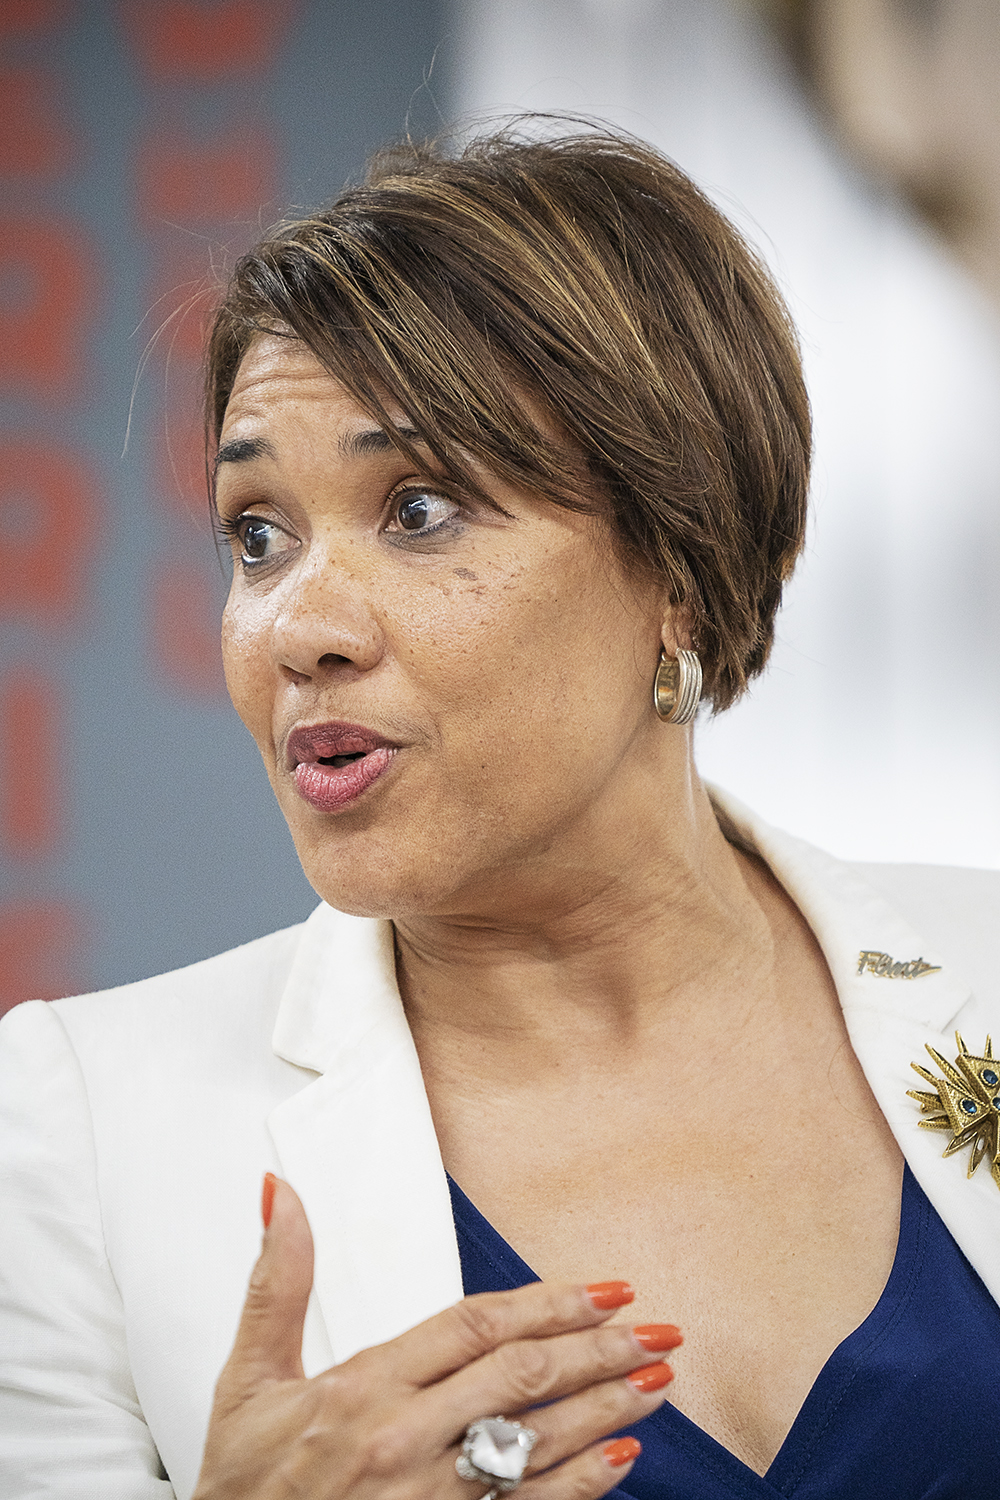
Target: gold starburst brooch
{"points": [[965, 1101]]}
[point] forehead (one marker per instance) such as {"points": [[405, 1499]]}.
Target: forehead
{"points": [[276, 370], [280, 377]]}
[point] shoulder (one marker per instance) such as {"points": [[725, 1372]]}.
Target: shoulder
{"points": [[949, 914], [234, 991], [940, 893], [956, 910]]}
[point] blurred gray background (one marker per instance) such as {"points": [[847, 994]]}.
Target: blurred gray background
{"points": [[143, 144]]}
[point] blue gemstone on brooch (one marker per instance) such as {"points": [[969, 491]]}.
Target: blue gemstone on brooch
{"points": [[965, 1104]]}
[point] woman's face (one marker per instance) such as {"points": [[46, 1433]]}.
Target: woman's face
{"points": [[453, 702]]}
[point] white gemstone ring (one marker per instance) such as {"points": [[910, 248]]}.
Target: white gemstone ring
{"points": [[495, 1453]]}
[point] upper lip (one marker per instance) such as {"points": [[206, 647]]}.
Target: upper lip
{"points": [[309, 743]]}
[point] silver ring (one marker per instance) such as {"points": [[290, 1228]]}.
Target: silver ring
{"points": [[495, 1452]]}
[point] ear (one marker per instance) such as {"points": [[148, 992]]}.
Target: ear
{"points": [[675, 633]]}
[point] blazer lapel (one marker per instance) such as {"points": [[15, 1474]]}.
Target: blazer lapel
{"points": [[358, 1143], [891, 1021]]}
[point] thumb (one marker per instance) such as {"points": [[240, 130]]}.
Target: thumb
{"points": [[269, 1339]]}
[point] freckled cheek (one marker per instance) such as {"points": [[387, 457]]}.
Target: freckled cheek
{"points": [[480, 650], [248, 668]]}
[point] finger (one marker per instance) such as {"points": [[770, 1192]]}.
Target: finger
{"points": [[269, 1339], [576, 1422], [529, 1372], [585, 1476], [478, 1325]]}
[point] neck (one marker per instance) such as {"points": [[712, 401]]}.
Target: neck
{"points": [[606, 943]]}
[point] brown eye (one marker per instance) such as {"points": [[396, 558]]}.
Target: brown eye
{"points": [[256, 535], [422, 510], [259, 540], [413, 513]]}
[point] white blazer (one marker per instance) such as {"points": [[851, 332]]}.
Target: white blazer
{"points": [[136, 1124]]}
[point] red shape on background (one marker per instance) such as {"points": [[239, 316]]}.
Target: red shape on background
{"points": [[179, 39], [34, 140], [32, 763], [50, 518], [30, 15], [48, 286], [185, 630], [230, 177], [41, 951]]}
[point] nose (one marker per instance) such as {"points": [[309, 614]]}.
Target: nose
{"points": [[324, 624]]}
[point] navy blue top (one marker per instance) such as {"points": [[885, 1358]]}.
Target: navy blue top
{"points": [[904, 1409]]}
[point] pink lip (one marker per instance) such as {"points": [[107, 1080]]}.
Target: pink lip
{"points": [[311, 750]]}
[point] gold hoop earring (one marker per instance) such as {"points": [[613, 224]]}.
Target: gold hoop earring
{"points": [[677, 687]]}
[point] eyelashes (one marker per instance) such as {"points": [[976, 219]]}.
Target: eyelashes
{"points": [[260, 541], [417, 514]]}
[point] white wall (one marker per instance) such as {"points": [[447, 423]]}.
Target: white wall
{"points": [[877, 729]]}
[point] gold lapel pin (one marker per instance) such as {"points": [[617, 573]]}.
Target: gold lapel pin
{"points": [[887, 967], [965, 1101]]}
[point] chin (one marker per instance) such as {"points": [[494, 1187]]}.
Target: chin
{"points": [[368, 874], [401, 858], [361, 896]]}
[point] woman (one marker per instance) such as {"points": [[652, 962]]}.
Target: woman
{"points": [[512, 454]]}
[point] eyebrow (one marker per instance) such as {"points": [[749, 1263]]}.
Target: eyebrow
{"points": [[243, 451], [375, 440], [357, 445]]}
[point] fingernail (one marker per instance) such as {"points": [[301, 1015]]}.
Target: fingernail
{"points": [[605, 1294], [622, 1451], [658, 1336], [267, 1197], [651, 1377]]}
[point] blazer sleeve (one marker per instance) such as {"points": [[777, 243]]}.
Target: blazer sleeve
{"points": [[70, 1422]]}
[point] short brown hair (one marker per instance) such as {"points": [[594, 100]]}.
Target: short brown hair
{"points": [[588, 274]]}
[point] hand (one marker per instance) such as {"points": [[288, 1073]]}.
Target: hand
{"points": [[390, 1421]]}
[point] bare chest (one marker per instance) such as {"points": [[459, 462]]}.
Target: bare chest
{"points": [[767, 1247]]}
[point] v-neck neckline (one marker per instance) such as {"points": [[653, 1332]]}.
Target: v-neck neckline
{"points": [[818, 1409]]}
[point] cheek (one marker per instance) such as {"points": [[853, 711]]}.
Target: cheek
{"points": [[522, 652], [461, 641], [247, 669]]}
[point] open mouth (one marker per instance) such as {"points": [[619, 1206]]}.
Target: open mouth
{"points": [[332, 764]]}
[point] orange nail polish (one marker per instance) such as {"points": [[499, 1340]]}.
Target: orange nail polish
{"points": [[651, 1377], [622, 1451], [658, 1336], [607, 1294], [267, 1197]]}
